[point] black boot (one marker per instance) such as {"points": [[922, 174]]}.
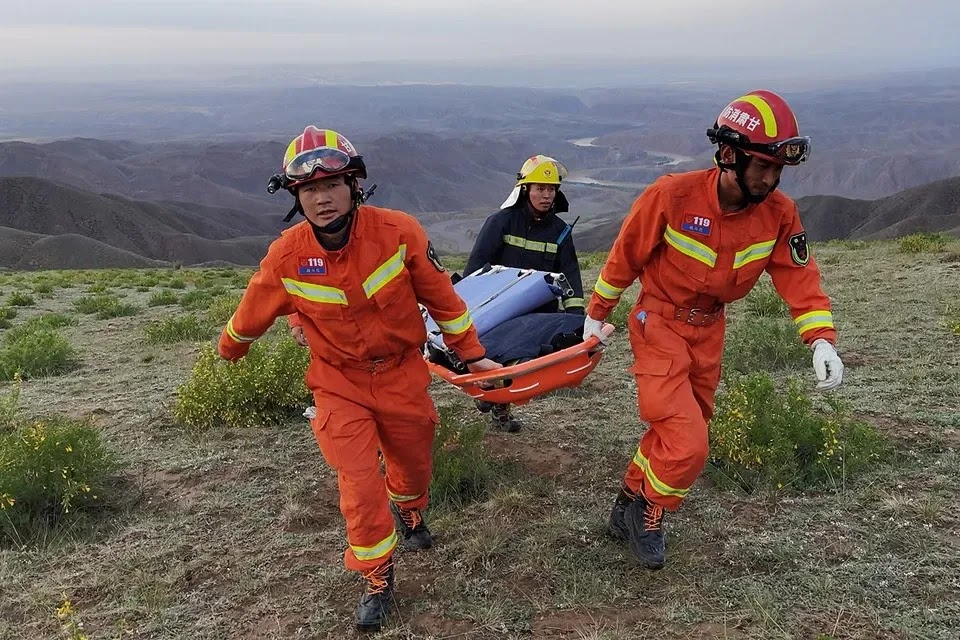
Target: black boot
{"points": [[617, 526], [412, 529], [483, 406], [377, 598], [644, 522], [501, 419]]}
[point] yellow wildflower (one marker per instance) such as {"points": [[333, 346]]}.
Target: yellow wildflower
{"points": [[65, 610]]}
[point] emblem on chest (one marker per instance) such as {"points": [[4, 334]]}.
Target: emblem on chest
{"points": [[312, 267], [697, 224]]}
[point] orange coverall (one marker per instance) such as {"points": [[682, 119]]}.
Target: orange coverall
{"points": [[691, 259], [358, 308]]}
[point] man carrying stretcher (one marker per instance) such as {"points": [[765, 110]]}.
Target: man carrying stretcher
{"points": [[353, 276]]}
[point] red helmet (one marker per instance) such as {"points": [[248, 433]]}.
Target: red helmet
{"points": [[320, 153], [761, 123]]}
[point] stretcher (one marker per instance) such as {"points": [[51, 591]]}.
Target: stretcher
{"points": [[495, 295]]}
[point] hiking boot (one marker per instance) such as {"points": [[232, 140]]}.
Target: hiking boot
{"points": [[644, 522], [483, 406], [374, 606], [616, 525], [501, 419], [413, 530]]}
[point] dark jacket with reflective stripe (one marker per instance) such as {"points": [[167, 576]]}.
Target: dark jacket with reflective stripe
{"points": [[512, 238]]}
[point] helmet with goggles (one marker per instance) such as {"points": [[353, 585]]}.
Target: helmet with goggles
{"points": [[761, 124], [315, 154]]}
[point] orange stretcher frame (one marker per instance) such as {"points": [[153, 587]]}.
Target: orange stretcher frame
{"points": [[519, 384]]}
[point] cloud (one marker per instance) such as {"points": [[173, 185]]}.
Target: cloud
{"points": [[175, 32]]}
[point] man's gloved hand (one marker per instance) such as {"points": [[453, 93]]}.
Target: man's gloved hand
{"points": [[827, 365], [592, 328]]}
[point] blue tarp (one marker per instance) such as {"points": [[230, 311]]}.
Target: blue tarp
{"points": [[500, 295], [501, 303]]}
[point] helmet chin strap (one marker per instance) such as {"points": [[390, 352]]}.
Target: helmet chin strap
{"points": [[739, 168], [336, 226], [356, 196]]}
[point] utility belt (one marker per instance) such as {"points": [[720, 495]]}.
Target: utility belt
{"points": [[373, 365], [698, 317]]}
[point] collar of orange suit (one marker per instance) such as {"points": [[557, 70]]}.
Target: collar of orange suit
{"points": [[364, 222], [357, 227], [715, 196], [325, 237]]}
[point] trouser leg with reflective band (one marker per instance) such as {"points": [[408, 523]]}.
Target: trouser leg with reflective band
{"points": [[408, 456], [408, 422], [358, 414], [677, 369]]}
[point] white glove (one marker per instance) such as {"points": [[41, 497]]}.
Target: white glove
{"points": [[592, 328], [827, 365]]}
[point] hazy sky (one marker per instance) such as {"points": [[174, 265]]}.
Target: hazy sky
{"points": [[294, 33]]}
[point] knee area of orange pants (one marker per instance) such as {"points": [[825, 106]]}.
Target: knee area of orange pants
{"points": [[676, 368], [687, 449], [668, 461], [355, 422]]}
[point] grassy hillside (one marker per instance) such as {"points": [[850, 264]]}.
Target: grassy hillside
{"points": [[235, 532]]}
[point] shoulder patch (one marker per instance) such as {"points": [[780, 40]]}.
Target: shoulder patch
{"points": [[434, 258], [798, 249]]}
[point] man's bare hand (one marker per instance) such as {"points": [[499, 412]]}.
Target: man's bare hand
{"points": [[483, 365], [297, 333]]}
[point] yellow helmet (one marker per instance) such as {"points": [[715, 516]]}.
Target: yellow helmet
{"points": [[541, 169]]}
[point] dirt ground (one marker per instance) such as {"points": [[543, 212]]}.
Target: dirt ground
{"points": [[237, 534]]}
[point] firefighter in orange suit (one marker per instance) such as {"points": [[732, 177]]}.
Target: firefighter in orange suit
{"points": [[698, 241], [353, 275]]}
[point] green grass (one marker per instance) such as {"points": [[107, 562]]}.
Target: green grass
{"points": [[41, 322], [53, 470], [175, 329], [43, 288], [765, 302], [765, 436], [236, 532], [764, 343], [221, 308], [36, 349], [95, 303], [105, 306], [6, 315], [620, 316], [20, 299], [924, 242], [164, 297], [264, 387], [952, 320], [462, 470], [198, 299]]}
